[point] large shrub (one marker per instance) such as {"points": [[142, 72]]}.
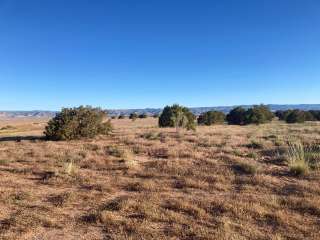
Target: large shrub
{"points": [[76, 123], [211, 117], [178, 117], [315, 114], [296, 116], [308, 116], [282, 115], [258, 115], [236, 116]]}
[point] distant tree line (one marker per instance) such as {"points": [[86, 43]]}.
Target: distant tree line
{"points": [[298, 116], [88, 122], [258, 114]]}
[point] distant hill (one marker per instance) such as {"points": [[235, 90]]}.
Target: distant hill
{"points": [[26, 114], [152, 111], [225, 109]]}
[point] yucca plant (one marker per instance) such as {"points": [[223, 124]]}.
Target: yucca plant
{"points": [[70, 168], [297, 160]]}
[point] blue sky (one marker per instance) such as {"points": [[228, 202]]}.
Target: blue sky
{"points": [[149, 53]]}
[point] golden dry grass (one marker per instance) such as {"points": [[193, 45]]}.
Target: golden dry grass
{"points": [[220, 182]]}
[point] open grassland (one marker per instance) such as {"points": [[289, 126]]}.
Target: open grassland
{"points": [[142, 182]]}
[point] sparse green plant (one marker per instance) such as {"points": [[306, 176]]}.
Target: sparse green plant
{"points": [[4, 161]]}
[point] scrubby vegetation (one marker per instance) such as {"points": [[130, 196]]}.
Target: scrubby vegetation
{"points": [[143, 115], [145, 182], [298, 116], [133, 116], [256, 115], [76, 123], [211, 117], [178, 117]]}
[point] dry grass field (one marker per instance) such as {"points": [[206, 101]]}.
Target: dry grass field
{"points": [[142, 182]]}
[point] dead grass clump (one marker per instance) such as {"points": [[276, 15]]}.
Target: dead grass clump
{"points": [[91, 147], [254, 144], [247, 168], [60, 200], [19, 196], [135, 187], [111, 219], [24, 221], [8, 127], [116, 151], [162, 152], [182, 206], [115, 204], [151, 136]]}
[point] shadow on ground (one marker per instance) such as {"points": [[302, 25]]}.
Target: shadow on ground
{"points": [[20, 138]]}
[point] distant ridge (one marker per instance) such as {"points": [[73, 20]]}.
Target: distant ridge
{"points": [[152, 111], [225, 109]]}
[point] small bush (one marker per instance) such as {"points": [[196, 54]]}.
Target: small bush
{"points": [[76, 123], [178, 117], [211, 117], [122, 117], [133, 116], [143, 115]]}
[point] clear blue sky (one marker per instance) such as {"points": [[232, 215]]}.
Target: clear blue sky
{"points": [[149, 53]]}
